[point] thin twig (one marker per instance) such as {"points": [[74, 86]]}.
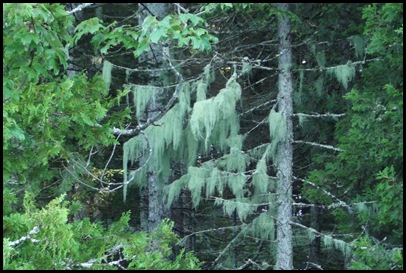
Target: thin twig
{"points": [[111, 156]]}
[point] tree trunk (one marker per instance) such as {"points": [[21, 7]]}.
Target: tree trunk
{"points": [[152, 209], [315, 244], [284, 255]]}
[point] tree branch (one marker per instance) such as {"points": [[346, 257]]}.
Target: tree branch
{"points": [[35, 230], [342, 203], [319, 145], [80, 7], [319, 115], [161, 113]]}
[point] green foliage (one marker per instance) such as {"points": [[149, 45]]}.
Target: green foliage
{"points": [[44, 239], [91, 26], [368, 255], [46, 115], [388, 208], [384, 24], [369, 172], [187, 30]]}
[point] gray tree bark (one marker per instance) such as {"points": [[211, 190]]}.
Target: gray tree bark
{"points": [[315, 244], [284, 252], [152, 209]]}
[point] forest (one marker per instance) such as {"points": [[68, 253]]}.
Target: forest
{"points": [[204, 136]]}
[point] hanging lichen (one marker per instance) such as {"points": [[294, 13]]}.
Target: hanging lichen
{"points": [[321, 58], [341, 245], [207, 113], [260, 178], [201, 90], [359, 44], [302, 119], [262, 227], [143, 94], [319, 84], [241, 207], [246, 68], [106, 72], [344, 73], [277, 131]]}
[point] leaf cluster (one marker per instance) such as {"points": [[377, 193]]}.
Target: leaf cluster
{"points": [[186, 30], [59, 243]]}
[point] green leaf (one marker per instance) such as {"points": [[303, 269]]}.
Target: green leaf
{"points": [[149, 22], [29, 37], [185, 17], [86, 119], [142, 46], [157, 34], [91, 25], [17, 132]]}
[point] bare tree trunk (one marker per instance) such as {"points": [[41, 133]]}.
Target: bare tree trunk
{"points": [[315, 244], [152, 209], [284, 255]]}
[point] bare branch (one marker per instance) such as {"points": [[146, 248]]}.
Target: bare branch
{"points": [[250, 262], [180, 8], [125, 132], [212, 230], [319, 145], [80, 7], [257, 107], [80, 181], [90, 155], [333, 67], [227, 247], [256, 126], [111, 156], [35, 230], [319, 115], [342, 203], [315, 265]]}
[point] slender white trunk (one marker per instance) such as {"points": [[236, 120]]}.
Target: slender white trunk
{"points": [[284, 255]]}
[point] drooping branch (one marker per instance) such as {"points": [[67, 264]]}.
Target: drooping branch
{"points": [[161, 112], [146, 161], [319, 234]]}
